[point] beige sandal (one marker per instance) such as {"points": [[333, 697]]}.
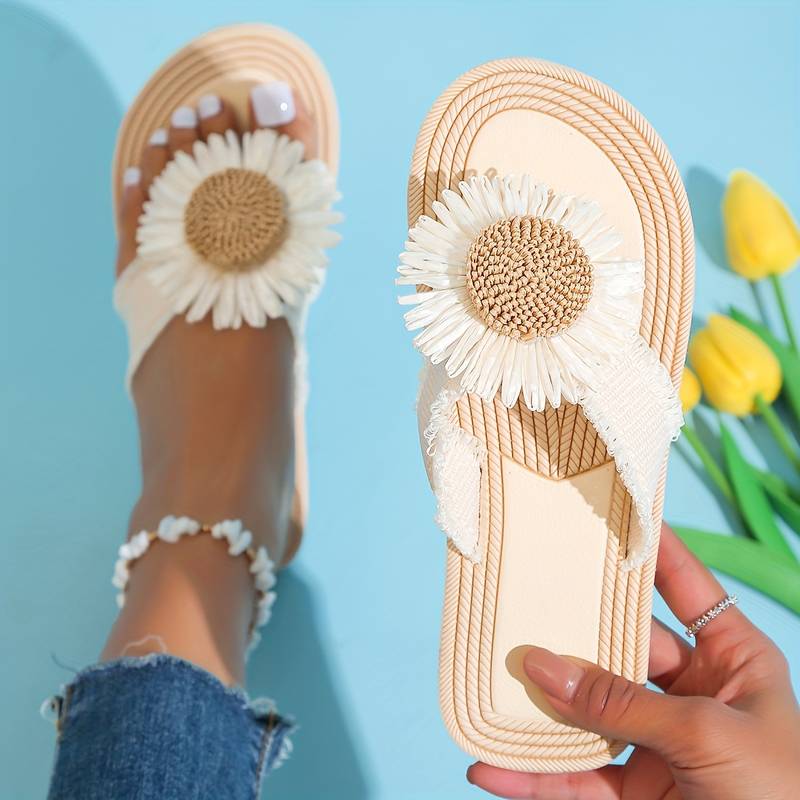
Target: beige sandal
{"points": [[228, 62], [552, 251]]}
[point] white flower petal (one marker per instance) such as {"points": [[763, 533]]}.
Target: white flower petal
{"points": [[290, 276], [225, 307], [252, 311], [205, 300], [542, 370]]}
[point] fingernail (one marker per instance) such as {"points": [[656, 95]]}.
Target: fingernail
{"points": [[159, 137], [184, 117], [559, 677], [209, 105], [131, 176], [273, 103]]}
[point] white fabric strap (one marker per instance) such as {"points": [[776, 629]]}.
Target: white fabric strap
{"points": [[634, 408], [146, 311], [637, 413], [174, 273], [453, 459]]}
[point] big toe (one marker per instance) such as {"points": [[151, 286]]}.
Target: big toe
{"points": [[276, 105]]}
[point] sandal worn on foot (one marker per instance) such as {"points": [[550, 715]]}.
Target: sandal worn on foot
{"points": [[552, 251], [237, 230]]}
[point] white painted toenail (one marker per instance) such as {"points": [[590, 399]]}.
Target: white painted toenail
{"points": [[132, 176], [159, 137], [209, 105], [184, 117], [273, 103]]}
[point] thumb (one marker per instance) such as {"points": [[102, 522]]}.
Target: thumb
{"points": [[616, 708]]}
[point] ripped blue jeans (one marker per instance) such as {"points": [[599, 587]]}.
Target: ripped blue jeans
{"points": [[160, 727]]}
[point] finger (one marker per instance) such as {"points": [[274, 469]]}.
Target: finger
{"points": [[670, 655], [690, 589], [601, 784], [608, 704], [646, 774]]}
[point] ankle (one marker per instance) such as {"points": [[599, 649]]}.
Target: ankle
{"points": [[191, 600], [263, 507]]}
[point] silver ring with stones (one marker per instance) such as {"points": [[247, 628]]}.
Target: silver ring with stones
{"points": [[712, 613]]}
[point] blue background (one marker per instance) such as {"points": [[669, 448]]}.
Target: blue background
{"points": [[352, 649]]}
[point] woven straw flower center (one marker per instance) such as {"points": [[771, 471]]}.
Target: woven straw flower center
{"points": [[528, 277], [235, 219]]}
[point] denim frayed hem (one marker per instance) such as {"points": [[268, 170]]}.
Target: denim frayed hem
{"points": [[159, 726]]}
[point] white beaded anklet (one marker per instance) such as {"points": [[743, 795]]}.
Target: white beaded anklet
{"points": [[171, 528]]}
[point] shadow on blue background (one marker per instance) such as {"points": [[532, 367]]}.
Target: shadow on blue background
{"points": [[291, 667], [61, 420], [705, 192]]}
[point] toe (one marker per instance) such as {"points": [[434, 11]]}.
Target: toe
{"points": [[130, 210], [154, 157], [183, 130], [216, 115], [302, 128], [275, 105]]}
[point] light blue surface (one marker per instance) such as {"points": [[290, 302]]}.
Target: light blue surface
{"points": [[353, 648]]}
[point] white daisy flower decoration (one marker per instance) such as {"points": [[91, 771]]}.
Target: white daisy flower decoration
{"points": [[521, 292], [239, 229]]}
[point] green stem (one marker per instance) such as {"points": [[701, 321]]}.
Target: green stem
{"points": [[778, 431], [784, 307], [712, 468]]}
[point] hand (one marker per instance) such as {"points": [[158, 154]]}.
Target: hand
{"points": [[727, 727]]}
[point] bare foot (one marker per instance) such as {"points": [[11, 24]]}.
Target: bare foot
{"points": [[215, 411]]}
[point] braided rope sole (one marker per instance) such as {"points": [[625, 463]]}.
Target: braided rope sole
{"points": [[554, 443], [228, 61]]}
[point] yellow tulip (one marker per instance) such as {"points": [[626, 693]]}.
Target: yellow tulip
{"points": [[734, 366], [690, 390], [761, 236]]}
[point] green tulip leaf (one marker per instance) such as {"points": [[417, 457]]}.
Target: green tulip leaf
{"points": [[787, 358], [752, 498], [785, 506], [771, 481], [750, 562]]}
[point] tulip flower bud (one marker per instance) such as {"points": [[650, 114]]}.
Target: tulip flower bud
{"points": [[734, 366], [761, 236], [690, 390]]}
